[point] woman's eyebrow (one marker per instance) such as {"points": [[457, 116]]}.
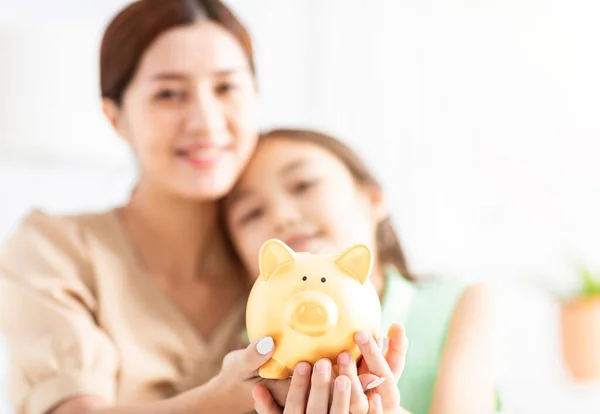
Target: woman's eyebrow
{"points": [[173, 75], [168, 76]]}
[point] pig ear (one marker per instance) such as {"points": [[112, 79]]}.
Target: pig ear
{"points": [[357, 260], [273, 254]]}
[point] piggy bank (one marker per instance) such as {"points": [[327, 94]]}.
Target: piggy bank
{"points": [[311, 305]]}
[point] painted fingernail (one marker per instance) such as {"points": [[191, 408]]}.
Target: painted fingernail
{"points": [[303, 368], [342, 384], [362, 337], [265, 345], [322, 367], [386, 344], [375, 383], [344, 358]]}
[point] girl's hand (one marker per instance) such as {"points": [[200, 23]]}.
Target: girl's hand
{"points": [[317, 393], [346, 394], [388, 368]]}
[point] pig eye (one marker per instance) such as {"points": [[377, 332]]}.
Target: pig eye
{"points": [[304, 278], [323, 280]]}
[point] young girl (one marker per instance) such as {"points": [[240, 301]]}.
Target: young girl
{"points": [[312, 192]]}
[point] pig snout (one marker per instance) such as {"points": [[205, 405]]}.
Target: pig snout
{"points": [[311, 313]]}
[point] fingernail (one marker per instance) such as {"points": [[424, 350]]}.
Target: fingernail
{"points": [[341, 384], [375, 383], [265, 345], [322, 367], [362, 337], [386, 344], [344, 358], [302, 368]]}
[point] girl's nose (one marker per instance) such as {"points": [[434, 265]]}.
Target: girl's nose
{"points": [[285, 214]]}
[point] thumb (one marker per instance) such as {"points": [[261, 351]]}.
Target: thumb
{"points": [[256, 354]]}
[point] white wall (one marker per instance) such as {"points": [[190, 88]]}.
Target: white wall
{"points": [[494, 106], [481, 118]]}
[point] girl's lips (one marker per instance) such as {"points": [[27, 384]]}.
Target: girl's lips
{"points": [[300, 243]]}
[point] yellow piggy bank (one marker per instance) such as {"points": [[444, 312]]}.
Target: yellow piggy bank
{"points": [[312, 305]]}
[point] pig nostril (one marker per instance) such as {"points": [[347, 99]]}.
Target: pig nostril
{"points": [[311, 313], [323, 280]]}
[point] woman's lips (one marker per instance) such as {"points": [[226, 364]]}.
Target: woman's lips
{"points": [[203, 156]]}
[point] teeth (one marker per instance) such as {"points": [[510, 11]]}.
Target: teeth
{"points": [[205, 153]]}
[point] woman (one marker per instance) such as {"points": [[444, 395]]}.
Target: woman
{"points": [[133, 310]]}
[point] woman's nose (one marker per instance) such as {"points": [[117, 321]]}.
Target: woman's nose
{"points": [[206, 114]]}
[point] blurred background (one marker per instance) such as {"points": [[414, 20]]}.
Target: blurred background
{"points": [[480, 117]]}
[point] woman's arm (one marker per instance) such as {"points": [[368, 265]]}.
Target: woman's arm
{"points": [[465, 382], [229, 392], [198, 400]]}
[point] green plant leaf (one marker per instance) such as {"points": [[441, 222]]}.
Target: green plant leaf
{"points": [[591, 283]]}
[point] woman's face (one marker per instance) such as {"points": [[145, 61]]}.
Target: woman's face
{"points": [[190, 112], [303, 195]]}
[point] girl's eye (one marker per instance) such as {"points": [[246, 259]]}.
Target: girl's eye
{"points": [[252, 215], [304, 186]]}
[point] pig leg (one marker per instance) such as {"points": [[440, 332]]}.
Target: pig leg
{"points": [[274, 369]]}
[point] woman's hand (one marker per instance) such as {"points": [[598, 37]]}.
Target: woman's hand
{"points": [[320, 393], [232, 387]]}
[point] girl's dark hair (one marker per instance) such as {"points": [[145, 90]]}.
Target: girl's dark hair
{"points": [[388, 244], [132, 31]]}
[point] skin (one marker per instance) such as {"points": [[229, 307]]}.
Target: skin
{"points": [[304, 195]]}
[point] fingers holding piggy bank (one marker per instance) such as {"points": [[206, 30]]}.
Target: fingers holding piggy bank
{"points": [[311, 305]]}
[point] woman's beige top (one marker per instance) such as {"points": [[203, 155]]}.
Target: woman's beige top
{"points": [[80, 317]]}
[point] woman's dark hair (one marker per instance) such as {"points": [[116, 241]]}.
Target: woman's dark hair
{"points": [[132, 31], [389, 249]]}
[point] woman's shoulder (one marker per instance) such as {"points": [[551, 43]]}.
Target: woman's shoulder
{"points": [[42, 240], [38, 226]]}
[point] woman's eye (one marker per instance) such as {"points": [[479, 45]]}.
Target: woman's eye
{"points": [[225, 88], [169, 95]]}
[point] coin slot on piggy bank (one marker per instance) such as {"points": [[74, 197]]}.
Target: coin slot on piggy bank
{"points": [[311, 305]]}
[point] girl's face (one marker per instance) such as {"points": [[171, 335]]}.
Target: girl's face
{"points": [[303, 195], [190, 111]]}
